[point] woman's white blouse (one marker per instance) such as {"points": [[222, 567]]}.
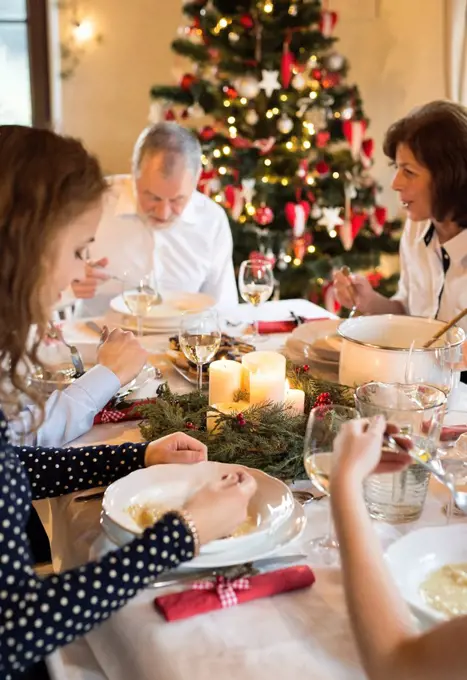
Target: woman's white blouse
{"points": [[433, 281]]}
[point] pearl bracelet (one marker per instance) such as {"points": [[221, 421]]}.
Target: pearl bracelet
{"points": [[191, 526]]}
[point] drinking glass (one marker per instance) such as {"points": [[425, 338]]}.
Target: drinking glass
{"points": [[324, 424], [432, 367], [140, 296], [453, 457], [200, 338], [418, 411], [256, 285]]}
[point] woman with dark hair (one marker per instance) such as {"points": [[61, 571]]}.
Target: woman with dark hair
{"points": [[51, 192], [428, 148]]}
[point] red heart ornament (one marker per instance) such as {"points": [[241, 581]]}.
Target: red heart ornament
{"points": [[297, 215]]}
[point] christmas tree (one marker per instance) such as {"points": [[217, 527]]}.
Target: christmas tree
{"points": [[284, 137]]}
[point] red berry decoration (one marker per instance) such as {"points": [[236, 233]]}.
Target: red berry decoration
{"points": [[190, 426], [241, 420], [324, 399], [305, 368], [207, 133], [187, 81]]}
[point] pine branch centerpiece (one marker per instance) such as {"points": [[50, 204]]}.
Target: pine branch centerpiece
{"points": [[267, 436]]}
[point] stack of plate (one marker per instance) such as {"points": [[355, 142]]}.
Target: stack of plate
{"points": [[164, 318], [274, 518], [317, 344]]}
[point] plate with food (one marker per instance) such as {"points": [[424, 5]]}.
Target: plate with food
{"points": [[230, 348], [135, 502], [435, 584]]}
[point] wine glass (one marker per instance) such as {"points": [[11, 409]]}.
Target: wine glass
{"points": [[140, 296], [256, 285], [324, 424], [200, 338]]}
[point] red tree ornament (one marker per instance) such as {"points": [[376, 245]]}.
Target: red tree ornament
{"points": [[287, 63], [230, 92], [322, 168], [327, 23], [247, 21], [317, 73], [187, 81], [322, 138], [297, 215], [207, 133], [169, 115], [264, 215]]}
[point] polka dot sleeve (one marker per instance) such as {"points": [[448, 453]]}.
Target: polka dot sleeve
{"points": [[54, 472], [38, 615]]}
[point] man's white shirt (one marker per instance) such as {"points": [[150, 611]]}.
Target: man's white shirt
{"points": [[433, 278], [193, 255]]}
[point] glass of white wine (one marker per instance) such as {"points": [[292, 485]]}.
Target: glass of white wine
{"points": [[200, 338], [256, 285], [140, 296], [324, 424], [437, 371]]}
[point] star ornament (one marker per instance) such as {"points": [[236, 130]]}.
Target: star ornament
{"points": [[331, 219], [270, 82]]}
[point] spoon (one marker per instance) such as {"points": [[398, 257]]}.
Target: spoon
{"points": [[346, 271], [434, 465]]}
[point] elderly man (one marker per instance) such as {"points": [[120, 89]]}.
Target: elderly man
{"points": [[156, 220]]}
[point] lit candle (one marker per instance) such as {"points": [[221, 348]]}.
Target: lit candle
{"points": [[225, 378], [234, 407], [294, 399], [266, 387], [271, 363]]}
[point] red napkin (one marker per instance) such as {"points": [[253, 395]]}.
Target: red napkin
{"points": [[116, 415], [206, 596], [450, 432], [265, 327]]}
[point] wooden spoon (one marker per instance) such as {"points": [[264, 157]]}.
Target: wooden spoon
{"points": [[445, 328]]}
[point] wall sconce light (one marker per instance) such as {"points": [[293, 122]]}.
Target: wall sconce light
{"points": [[78, 36]]}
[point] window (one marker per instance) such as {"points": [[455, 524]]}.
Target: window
{"points": [[24, 63]]}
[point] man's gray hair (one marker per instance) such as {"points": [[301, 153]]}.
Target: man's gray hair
{"points": [[173, 142]]}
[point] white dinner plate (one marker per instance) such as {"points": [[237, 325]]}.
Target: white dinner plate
{"points": [[267, 545], [169, 486], [169, 312], [319, 338], [417, 554]]}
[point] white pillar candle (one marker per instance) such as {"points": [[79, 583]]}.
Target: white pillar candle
{"points": [[225, 378], [295, 399], [266, 387], [233, 408], [271, 363]]}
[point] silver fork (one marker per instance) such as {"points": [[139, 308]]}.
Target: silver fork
{"points": [[76, 360]]}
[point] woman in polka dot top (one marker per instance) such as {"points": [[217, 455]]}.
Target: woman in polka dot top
{"points": [[50, 204]]}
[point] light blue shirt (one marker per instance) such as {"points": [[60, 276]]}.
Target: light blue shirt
{"points": [[69, 413]]}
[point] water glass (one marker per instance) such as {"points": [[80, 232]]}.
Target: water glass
{"points": [[418, 411]]}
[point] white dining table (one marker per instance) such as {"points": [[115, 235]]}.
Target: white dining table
{"points": [[301, 634]]}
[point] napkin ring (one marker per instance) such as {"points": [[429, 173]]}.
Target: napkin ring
{"points": [[191, 526]]}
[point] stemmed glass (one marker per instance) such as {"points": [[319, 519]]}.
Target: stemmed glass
{"points": [[324, 424], [140, 296], [256, 285], [200, 338]]}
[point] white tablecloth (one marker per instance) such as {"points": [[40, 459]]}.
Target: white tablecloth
{"points": [[304, 633]]}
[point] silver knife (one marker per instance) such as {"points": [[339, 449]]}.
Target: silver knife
{"points": [[234, 571]]}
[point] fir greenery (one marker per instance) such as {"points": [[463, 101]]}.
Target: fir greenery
{"points": [[266, 436]]}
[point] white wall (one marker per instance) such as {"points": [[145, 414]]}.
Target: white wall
{"points": [[396, 63]]}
